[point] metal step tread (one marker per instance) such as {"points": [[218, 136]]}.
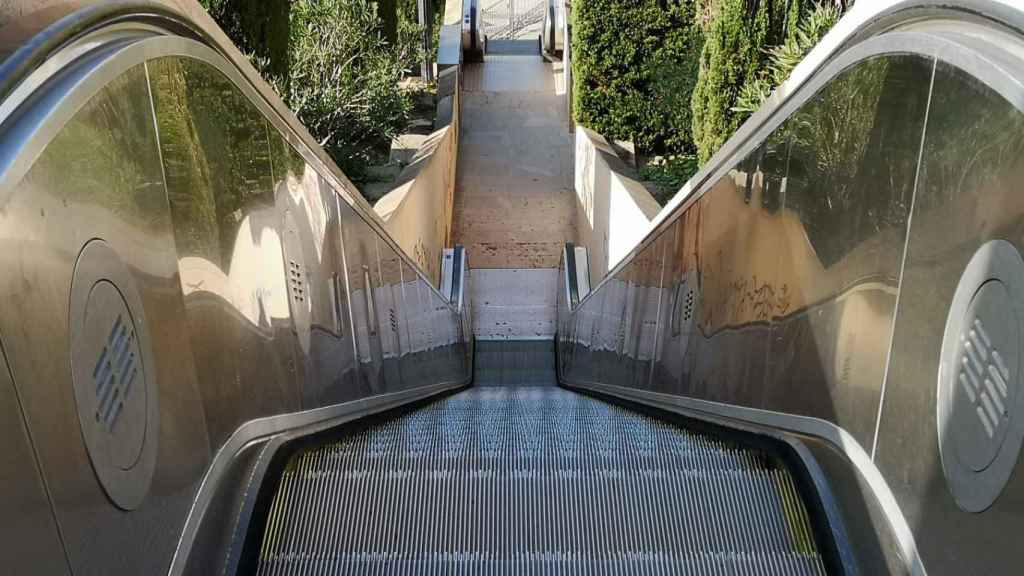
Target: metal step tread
{"points": [[535, 480]]}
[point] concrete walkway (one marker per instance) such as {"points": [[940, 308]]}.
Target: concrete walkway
{"points": [[514, 204]]}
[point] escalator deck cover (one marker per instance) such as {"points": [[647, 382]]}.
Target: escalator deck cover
{"points": [[534, 481]]}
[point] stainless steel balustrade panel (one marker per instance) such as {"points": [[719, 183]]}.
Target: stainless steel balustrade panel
{"points": [[674, 355], [390, 303], [34, 535], [824, 262], [235, 244], [412, 324], [229, 232], [364, 281], [327, 370], [969, 192], [539, 480], [848, 187], [99, 176]]}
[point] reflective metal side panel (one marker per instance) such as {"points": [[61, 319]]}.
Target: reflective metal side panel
{"points": [[847, 161], [809, 285], [752, 295], [100, 177], [314, 268], [221, 265], [363, 273], [969, 192], [389, 303], [673, 353], [231, 227], [32, 540], [748, 314]]}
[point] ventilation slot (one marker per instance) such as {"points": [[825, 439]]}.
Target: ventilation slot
{"points": [[978, 433], [983, 376], [682, 307], [296, 282], [114, 373]]}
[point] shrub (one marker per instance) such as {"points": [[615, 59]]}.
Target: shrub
{"points": [[667, 174], [733, 55], [259, 28], [410, 33], [634, 67], [343, 81], [784, 58], [340, 76]]}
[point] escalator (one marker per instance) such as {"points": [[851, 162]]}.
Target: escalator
{"points": [[217, 358], [534, 479]]}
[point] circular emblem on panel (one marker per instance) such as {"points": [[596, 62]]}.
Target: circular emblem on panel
{"points": [[980, 427], [112, 375]]}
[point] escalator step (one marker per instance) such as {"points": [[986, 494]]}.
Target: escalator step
{"points": [[534, 480]]}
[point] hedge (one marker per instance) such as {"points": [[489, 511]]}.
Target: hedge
{"points": [[738, 36], [634, 68], [679, 76]]}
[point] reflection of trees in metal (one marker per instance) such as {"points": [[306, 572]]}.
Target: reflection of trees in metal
{"points": [[96, 160], [216, 156], [513, 19], [853, 153], [974, 145]]}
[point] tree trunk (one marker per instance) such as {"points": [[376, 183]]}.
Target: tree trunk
{"points": [[387, 10]]}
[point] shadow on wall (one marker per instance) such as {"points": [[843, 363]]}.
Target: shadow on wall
{"points": [[417, 213], [603, 189]]}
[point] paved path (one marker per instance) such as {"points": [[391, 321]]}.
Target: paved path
{"points": [[514, 204]]}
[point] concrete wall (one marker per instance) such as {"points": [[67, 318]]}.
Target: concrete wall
{"points": [[417, 213], [613, 211]]}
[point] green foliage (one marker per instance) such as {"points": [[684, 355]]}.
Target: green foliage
{"points": [[634, 66], [343, 80], [410, 39], [187, 172], [216, 149], [784, 58], [732, 57], [975, 144], [258, 27], [853, 152], [340, 73], [106, 156], [668, 174], [679, 76]]}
